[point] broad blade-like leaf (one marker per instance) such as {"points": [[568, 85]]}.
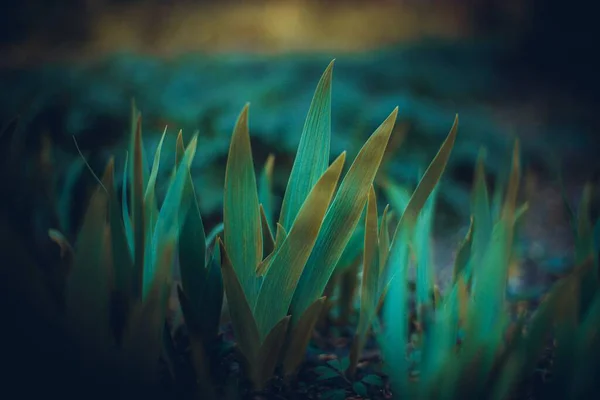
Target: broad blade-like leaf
{"points": [[241, 214], [286, 268], [269, 352], [396, 315], [143, 340], [341, 218], [312, 157], [422, 243], [88, 284], [244, 325], [192, 252], [300, 336]]}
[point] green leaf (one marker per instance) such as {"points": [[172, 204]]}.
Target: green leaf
{"points": [[212, 298], [151, 215], [122, 262], [265, 189], [192, 256], [212, 235], [396, 315], [143, 339], [384, 244], [341, 218], [360, 389], [336, 364], [288, 263], [268, 240], [312, 157], [398, 196], [171, 212], [244, 325], [370, 283], [88, 283], [422, 243], [138, 215], [353, 250], [268, 354], [192, 252], [125, 211], [241, 213], [372, 379], [300, 337], [463, 254], [428, 182]]}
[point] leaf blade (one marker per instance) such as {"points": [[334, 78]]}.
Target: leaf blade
{"points": [[241, 213], [312, 157], [342, 217]]}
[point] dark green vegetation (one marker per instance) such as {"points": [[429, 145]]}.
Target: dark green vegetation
{"points": [[110, 293]]}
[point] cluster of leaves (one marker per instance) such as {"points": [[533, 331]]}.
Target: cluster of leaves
{"points": [[273, 272], [118, 276], [469, 344]]}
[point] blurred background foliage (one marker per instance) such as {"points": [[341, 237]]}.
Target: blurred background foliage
{"points": [[509, 68]]}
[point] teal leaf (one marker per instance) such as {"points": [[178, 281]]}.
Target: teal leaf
{"points": [[312, 158], [342, 218], [241, 211], [373, 379], [360, 389]]}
